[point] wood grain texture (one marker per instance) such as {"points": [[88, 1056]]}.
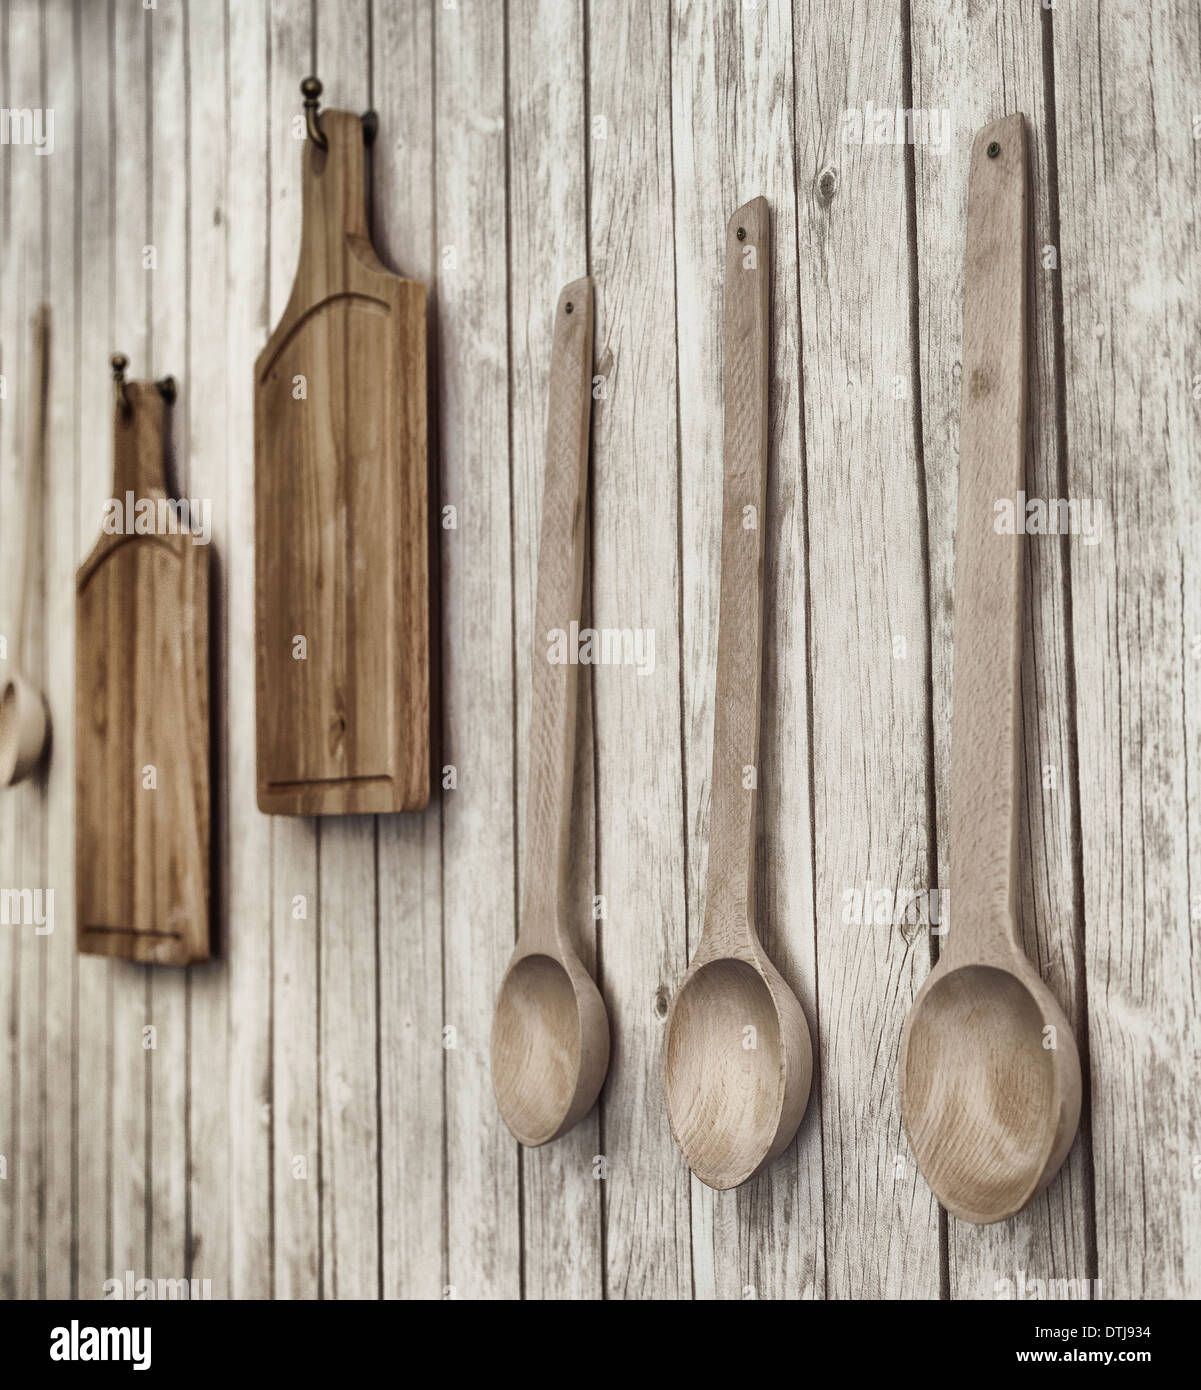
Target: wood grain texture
{"points": [[93, 1004], [478, 823], [493, 146], [547, 134], [63, 297], [27, 1149], [208, 316], [868, 658], [733, 91], [1126, 88], [168, 1060], [130, 1117], [340, 511], [635, 585], [412, 1123], [348, 975], [974, 65], [141, 725], [287, 1107]]}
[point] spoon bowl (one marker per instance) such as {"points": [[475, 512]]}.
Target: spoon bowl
{"points": [[739, 1066], [992, 1097], [550, 1047], [23, 729]]}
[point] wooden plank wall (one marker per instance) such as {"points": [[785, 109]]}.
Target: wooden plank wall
{"points": [[311, 1115]]}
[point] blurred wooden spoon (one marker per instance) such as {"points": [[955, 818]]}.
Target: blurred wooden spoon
{"points": [[24, 724]]}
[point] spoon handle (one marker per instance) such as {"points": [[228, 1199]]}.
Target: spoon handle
{"points": [[556, 621], [35, 468], [983, 849], [731, 882]]}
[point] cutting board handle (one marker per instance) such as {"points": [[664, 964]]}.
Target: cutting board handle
{"points": [[139, 464], [335, 205]]}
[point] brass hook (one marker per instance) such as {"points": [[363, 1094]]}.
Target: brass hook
{"points": [[119, 363], [167, 389], [310, 89]]}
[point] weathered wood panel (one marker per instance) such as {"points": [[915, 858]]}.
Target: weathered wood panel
{"points": [[1127, 92], [292, 1111], [968, 69], [478, 878], [93, 1007], [635, 585], [250, 924], [412, 1121], [733, 140], [304, 1127], [548, 144], [869, 648]]}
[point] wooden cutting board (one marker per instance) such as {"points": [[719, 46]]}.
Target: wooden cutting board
{"points": [[142, 720], [341, 542]]}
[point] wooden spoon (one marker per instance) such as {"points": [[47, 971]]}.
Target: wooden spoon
{"points": [[739, 1055], [990, 1079], [24, 726], [550, 1033]]}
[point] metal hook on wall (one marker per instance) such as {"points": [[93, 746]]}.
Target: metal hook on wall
{"points": [[119, 364], [311, 90]]}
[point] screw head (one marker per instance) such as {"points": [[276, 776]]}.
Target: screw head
{"points": [[994, 149], [569, 306], [742, 234]]}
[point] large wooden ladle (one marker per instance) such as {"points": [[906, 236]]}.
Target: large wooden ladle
{"points": [[550, 1032], [739, 1056], [990, 1078], [24, 724]]}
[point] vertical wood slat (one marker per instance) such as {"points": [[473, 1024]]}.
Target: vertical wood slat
{"points": [[635, 583], [979, 67], [478, 884], [201, 431], [9, 1068], [348, 974], [872, 779], [412, 1124], [1127, 91], [170, 176], [60, 514], [28, 208], [732, 138], [20, 1141], [254, 1111], [95, 1047], [129, 1090], [296, 1174], [547, 145]]}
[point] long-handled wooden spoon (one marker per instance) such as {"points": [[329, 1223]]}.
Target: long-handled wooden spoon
{"points": [[990, 1078], [550, 1033], [739, 1055], [24, 726]]}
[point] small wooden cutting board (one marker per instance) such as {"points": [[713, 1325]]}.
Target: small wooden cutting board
{"points": [[341, 541], [142, 719]]}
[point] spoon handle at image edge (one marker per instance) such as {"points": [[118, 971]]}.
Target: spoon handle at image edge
{"points": [[983, 846], [554, 683]]}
